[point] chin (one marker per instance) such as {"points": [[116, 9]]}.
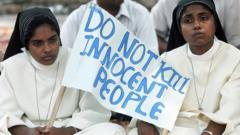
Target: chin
{"points": [[200, 43], [47, 62]]}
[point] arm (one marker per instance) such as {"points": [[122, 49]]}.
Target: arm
{"points": [[162, 43], [224, 119], [161, 15], [71, 26], [10, 113], [145, 31]]}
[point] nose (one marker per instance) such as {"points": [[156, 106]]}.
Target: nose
{"points": [[196, 25], [47, 48]]}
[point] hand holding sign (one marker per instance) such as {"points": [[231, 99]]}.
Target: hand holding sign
{"points": [[145, 128]]}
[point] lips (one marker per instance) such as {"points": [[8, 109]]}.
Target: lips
{"points": [[198, 35], [48, 58]]}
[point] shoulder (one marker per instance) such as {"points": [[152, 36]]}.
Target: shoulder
{"points": [[229, 51], [228, 57], [135, 8], [165, 5], [161, 3], [176, 57], [16, 62], [80, 8], [175, 53], [78, 13]]}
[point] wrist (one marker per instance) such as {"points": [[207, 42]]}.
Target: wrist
{"points": [[75, 130], [207, 132]]}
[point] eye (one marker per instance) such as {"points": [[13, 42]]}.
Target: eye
{"points": [[53, 40], [204, 17], [37, 43], [187, 19]]}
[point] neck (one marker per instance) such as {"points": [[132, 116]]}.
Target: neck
{"points": [[199, 50], [112, 9]]}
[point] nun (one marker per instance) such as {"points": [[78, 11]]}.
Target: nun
{"points": [[32, 72], [199, 51]]}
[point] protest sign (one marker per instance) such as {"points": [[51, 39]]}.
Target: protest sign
{"points": [[122, 73]]}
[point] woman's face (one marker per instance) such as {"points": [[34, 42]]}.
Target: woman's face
{"points": [[198, 28], [44, 44]]}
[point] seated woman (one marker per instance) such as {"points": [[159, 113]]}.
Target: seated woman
{"points": [[32, 72], [211, 103]]}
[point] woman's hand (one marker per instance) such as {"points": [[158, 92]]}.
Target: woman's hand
{"points": [[214, 128], [23, 130], [58, 131], [145, 128]]}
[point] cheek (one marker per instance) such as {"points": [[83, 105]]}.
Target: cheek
{"points": [[211, 29], [185, 31], [214, 28], [56, 48], [34, 52]]}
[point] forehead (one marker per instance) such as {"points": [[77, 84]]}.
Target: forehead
{"points": [[43, 31], [195, 9]]}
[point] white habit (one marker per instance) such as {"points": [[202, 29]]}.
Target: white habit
{"points": [[28, 91]]}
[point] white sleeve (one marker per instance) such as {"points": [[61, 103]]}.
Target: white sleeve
{"points": [[229, 111], [231, 21], [70, 27], [160, 19], [10, 113], [91, 112], [235, 132], [146, 31]]}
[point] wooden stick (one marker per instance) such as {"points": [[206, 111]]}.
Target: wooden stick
{"points": [[164, 132], [56, 107]]}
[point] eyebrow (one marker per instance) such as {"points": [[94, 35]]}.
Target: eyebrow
{"points": [[52, 37], [200, 13]]}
